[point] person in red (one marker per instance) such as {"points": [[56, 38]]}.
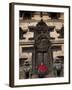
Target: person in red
{"points": [[42, 68]]}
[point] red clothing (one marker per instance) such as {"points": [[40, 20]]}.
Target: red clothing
{"points": [[42, 68]]}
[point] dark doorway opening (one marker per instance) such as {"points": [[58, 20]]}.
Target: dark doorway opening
{"points": [[27, 75], [58, 73]]}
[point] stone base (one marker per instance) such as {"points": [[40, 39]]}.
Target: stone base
{"points": [[34, 76]]}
